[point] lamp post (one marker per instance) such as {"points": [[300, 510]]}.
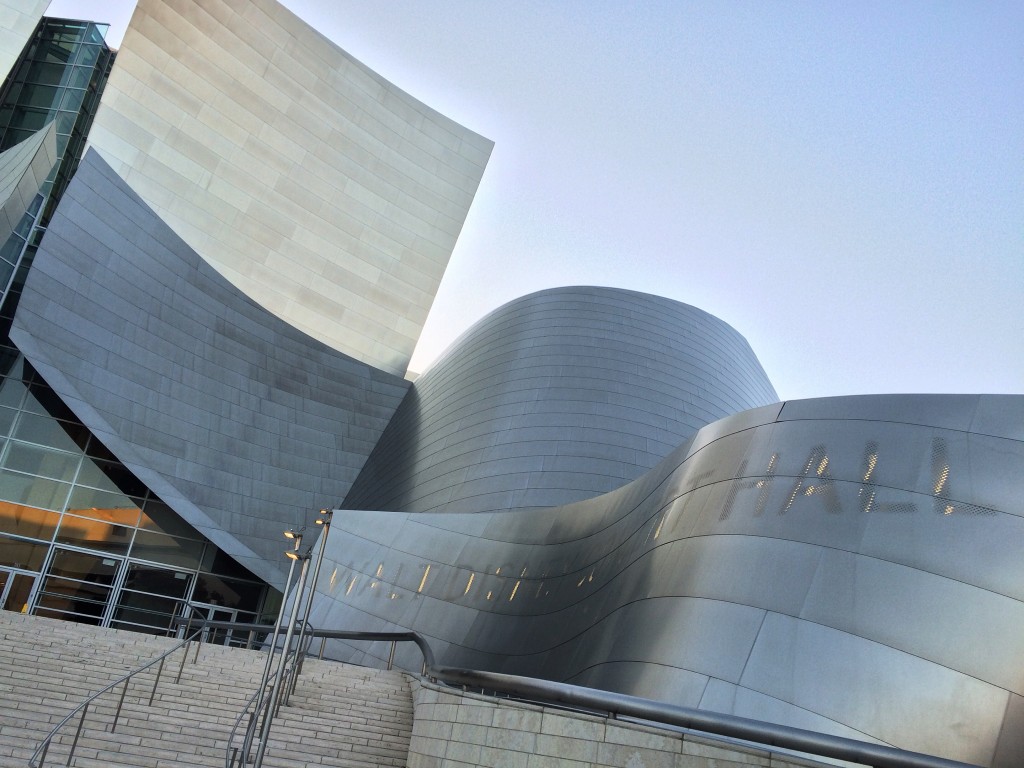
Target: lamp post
{"points": [[271, 703], [325, 520], [295, 536]]}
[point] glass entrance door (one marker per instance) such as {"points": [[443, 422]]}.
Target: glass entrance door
{"points": [[150, 597], [16, 589], [218, 613], [77, 586]]}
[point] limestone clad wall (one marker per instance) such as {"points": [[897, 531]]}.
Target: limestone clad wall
{"points": [[18, 20], [321, 190], [452, 729]]}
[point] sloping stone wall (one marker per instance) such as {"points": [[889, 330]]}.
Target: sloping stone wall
{"points": [[452, 729]]}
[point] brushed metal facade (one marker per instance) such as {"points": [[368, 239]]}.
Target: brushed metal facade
{"points": [[23, 170], [850, 565], [322, 191], [559, 396], [240, 423]]}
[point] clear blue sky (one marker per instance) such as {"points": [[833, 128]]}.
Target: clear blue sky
{"points": [[841, 182]]}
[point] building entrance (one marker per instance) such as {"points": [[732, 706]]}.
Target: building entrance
{"points": [[77, 585], [16, 589], [111, 591], [217, 613]]}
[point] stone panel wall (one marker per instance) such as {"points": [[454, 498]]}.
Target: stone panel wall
{"points": [[452, 729]]}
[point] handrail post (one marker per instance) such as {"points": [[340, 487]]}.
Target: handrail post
{"points": [[271, 649], [184, 655], [159, 671], [199, 645], [78, 732], [42, 757], [120, 702], [325, 521], [323, 642], [268, 718], [391, 655]]}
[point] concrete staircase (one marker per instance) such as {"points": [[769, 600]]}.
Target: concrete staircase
{"points": [[339, 715]]}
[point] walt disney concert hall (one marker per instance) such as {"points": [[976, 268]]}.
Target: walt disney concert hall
{"points": [[220, 244]]}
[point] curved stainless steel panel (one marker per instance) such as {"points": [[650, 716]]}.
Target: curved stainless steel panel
{"points": [[559, 396], [839, 569], [23, 170], [242, 424], [893, 696]]}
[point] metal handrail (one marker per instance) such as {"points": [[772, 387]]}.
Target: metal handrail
{"points": [[731, 726], [44, 746], [616, 704], [229, 753], [719, 724]]}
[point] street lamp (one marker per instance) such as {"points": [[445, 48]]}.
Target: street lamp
{"points": [[271, 703], [325, 520], [295, 536]]}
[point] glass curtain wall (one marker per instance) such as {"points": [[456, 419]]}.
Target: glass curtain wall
{"points": [[59, 78]]}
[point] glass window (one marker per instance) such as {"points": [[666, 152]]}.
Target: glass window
{"points": [[44, 73], [41, 461], [84, 566], [46, 431], [12, 391], [33, 491], [17, 553], [171, 550], [80, 77], [42, 400], [225, 565], [139, 619], [27, 521], [103, 505], [99, 450], [66, 122], [6, 421], [41, 96], [11, 252], [19, 592], [157, 516], [94, 534], [142, 577], [9, 358], [73, 98], [110, 476], [230, 593], [84, 605], [95, 33], [88, 56]]}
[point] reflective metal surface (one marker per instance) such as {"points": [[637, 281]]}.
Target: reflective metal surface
{"points": [[556, 397], [846, 564], [240, 423]]}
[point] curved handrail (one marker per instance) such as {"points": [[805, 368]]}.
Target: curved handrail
{"points": [[732, 726], [228, 758], [43, 746], [705, 721]]}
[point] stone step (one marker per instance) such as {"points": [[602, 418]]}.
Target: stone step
{"points": [[341, 716]]}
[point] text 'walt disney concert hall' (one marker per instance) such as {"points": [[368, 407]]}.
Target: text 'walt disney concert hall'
{"points": [[220, 245]]}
